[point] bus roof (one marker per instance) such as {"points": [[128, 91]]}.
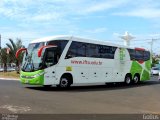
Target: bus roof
{"points": [[78, 39]]}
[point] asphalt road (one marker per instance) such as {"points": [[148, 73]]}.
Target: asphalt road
{"points": [[100, 99]]}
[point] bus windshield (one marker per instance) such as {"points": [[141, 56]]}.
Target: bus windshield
{"points": [[31, 61]]}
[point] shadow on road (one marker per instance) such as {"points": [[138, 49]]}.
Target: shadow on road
{"points": [[110, 86]]}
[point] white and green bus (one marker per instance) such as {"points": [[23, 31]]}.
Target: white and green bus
{"points": [[67, 60]]}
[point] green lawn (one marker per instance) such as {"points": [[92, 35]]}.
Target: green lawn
{"points": [[9, 75]]}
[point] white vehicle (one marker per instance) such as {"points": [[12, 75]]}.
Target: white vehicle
{"points": [[1, 69], [155, 71], [10, 69], [66, 60]]}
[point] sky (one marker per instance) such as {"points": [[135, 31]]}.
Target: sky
{"points": [[104, 20]]}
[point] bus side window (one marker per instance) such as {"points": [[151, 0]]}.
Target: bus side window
{"points": [[132, 54], [49, 60], [146, 55], [139, 55]]}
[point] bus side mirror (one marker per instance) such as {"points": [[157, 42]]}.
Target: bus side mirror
{"points": [[20, 51], [43, 47]]}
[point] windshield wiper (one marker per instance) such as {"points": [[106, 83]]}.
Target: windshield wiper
{"points": [[28, 61], [32, 63]]}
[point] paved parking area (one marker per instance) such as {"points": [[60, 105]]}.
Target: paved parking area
{"points": [[99, 99]]}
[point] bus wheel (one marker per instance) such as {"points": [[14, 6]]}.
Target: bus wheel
{"points": [[136, 79], [64, 83], [128, 80]]}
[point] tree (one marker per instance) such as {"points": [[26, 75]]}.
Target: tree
{"points": [[14, 46], [155, 60], [4, 58]]}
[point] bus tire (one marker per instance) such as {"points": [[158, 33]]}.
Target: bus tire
{"points": [[64, 83], [136, 79], [128, 79]]}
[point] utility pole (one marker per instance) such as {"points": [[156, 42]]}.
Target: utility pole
{"points": [[151, 44]]}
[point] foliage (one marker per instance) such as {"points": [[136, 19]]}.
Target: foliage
{"points": [[4, 58], [9, 57], [155, 60]]}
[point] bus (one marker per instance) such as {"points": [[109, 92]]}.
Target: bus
{"points": [[66, 60]]}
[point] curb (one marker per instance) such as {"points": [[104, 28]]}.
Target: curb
{"points": [[10, 79]]}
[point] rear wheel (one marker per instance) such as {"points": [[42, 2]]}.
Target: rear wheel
{"points": [[128, 80], [136, 79]]}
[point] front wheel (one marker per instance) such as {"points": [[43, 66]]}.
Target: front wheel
{"points": [[64, 83]]}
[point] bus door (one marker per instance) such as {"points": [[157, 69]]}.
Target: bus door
{"points": [[50, 61], [121, 64]]}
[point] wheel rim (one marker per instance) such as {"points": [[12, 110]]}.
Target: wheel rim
{"points": [[136, 79], [64, 82], [128, 80]]}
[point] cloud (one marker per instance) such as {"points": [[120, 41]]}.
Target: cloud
{"points": [[116, 34], [155, 36], [104, 5], [46, 17], [143, 12], [29, 10], [148, 9], [96, 30], [47, 10], [25, 36], [73, 16]]}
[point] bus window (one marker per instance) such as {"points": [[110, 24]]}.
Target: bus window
{"points": [[77, 49], [61, 44], [106, 51], [139, 55], [146, 55], [49, 58], [132, 54], [92, 51], [80, 49]]}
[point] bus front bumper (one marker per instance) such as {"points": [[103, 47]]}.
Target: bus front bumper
{"points": [[32, 78]]}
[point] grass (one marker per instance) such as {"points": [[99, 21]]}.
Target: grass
{"points": [[9, 75]]}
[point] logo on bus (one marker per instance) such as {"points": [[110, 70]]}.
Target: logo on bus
{"points": [[122, 53]]}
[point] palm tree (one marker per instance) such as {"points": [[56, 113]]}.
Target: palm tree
{"points": [[14, 46]]}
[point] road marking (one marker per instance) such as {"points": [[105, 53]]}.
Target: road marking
{"points": [[16, 109]]}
